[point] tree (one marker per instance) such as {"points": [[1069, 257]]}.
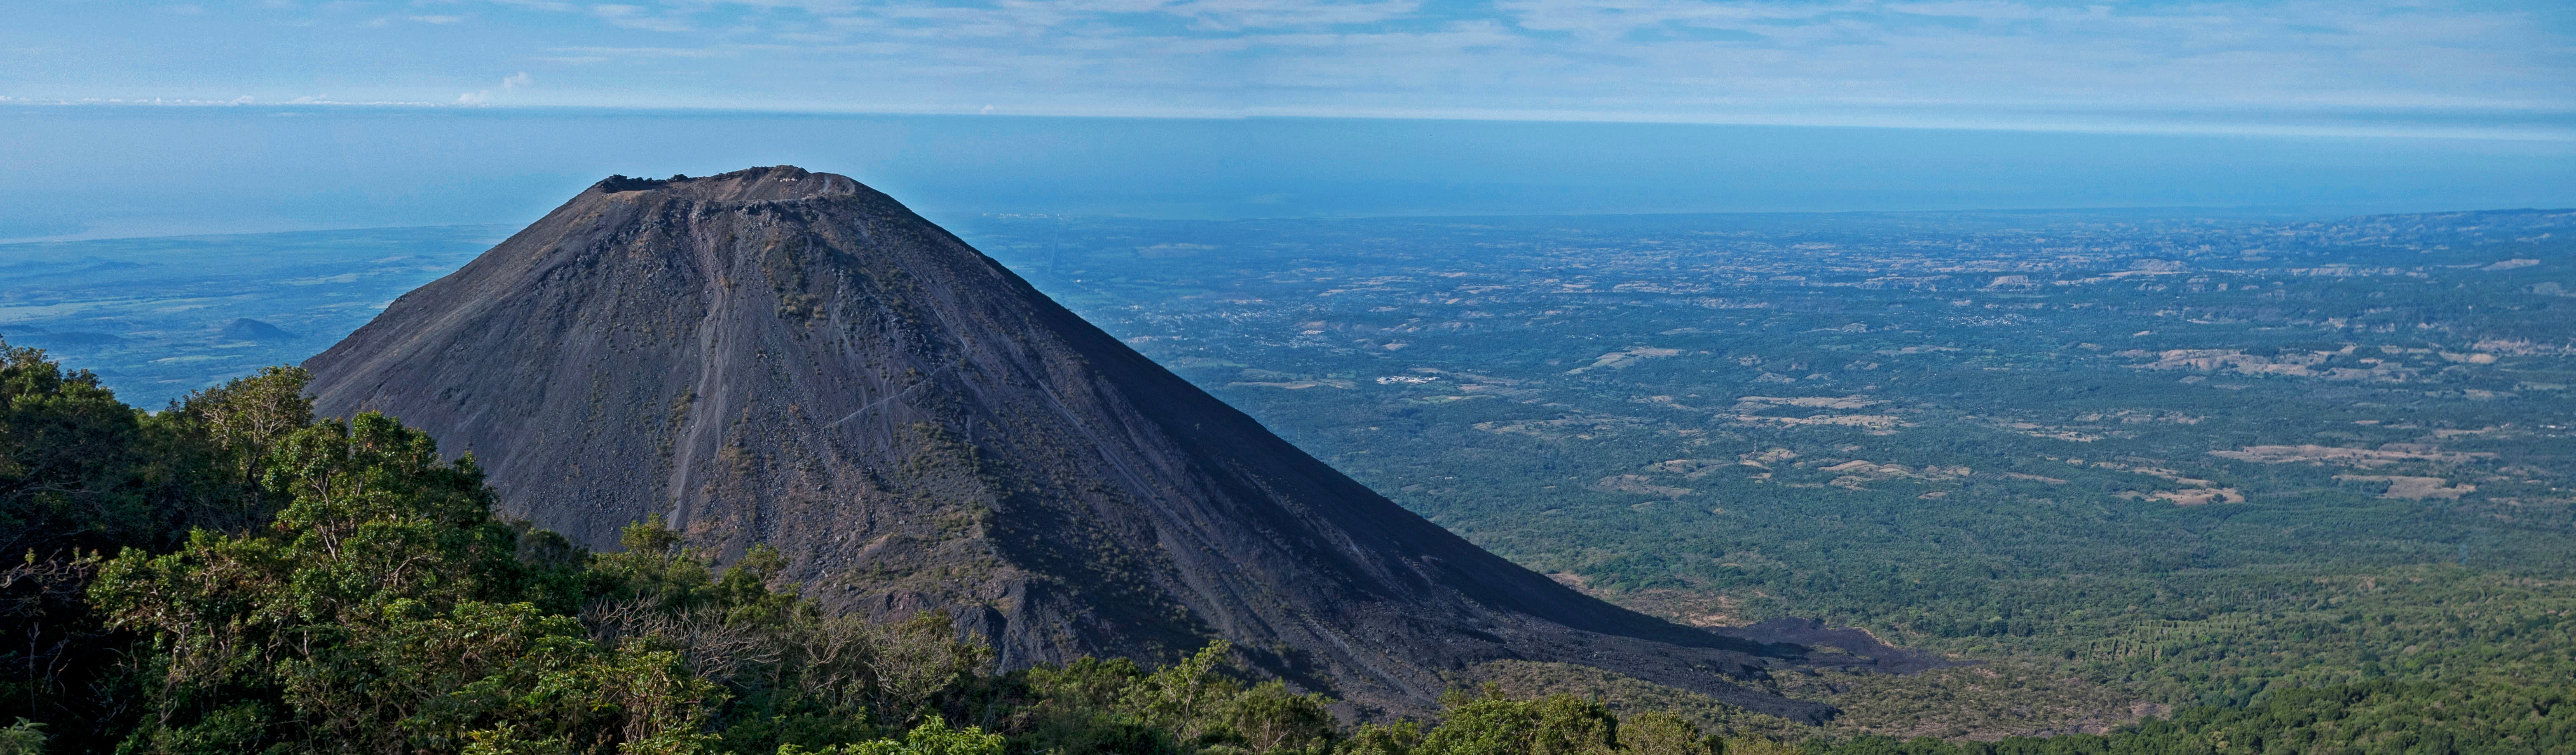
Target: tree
{"points": [[210, 449], [932, 737], [1658, 733], [68, 453], [69, 489], [383, 610], [1495, 725]]}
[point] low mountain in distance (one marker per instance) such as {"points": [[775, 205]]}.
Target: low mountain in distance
{"points": [[246, 329], [781, 357]]}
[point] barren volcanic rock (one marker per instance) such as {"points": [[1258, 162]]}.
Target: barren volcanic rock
{"points": [[790, 358]]}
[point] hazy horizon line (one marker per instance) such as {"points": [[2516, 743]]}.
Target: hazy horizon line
{"points": [[2531, 125]]}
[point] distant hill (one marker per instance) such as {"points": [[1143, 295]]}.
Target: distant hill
{"points": [[788, 358]]}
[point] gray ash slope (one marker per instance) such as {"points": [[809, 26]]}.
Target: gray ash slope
{"points": [[790, 358]]}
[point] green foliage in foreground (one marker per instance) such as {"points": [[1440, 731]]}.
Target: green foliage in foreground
{"points": [[382, 609], [932, 737], [235, 576]]}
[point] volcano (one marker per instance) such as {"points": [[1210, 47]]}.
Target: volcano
{"points": [[780, 357]]}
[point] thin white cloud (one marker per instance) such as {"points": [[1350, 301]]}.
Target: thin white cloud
{"points": [[509, 84]]}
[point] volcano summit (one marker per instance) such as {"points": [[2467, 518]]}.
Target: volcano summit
{"points": [[781, 357]]}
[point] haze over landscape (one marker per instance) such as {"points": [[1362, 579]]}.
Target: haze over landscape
{"points": [[1216, 378]]}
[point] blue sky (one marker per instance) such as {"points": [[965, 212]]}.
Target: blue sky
{"points": [[2356, 68]]}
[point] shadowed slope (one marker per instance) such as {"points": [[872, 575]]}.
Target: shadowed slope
{"points": [[784, 357]]}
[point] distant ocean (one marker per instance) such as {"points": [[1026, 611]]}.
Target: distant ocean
{"points": [[108, 171]]}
